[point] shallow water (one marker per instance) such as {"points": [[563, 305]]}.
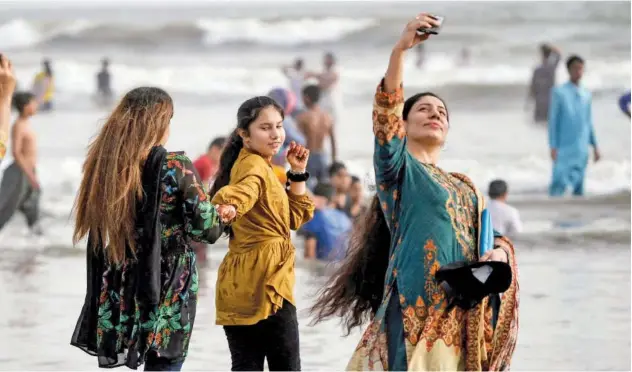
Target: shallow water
{"points": [[574, 312]]}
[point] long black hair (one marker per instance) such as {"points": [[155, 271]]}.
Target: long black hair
{"points": [[246, 114], [357, 287]]}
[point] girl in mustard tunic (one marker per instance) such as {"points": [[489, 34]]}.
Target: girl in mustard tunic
{"points": [[255, 284]]}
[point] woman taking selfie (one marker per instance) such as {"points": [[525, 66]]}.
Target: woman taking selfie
{"points": [[140, 207], [421, 219], [255, 284]]}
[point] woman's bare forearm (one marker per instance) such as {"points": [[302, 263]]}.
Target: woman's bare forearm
{"points": [[395, 71]]}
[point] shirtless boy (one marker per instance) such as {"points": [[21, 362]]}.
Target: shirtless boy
{"points": [[316, 124], [20, 188]]}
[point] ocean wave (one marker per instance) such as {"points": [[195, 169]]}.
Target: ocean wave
{"points": [[74, 77], [20, 33]]}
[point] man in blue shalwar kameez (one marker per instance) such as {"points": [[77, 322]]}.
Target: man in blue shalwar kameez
{"points": [[571, 132]]}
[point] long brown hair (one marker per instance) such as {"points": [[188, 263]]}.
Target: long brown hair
{"points": [[356, 289], [111, 183]]}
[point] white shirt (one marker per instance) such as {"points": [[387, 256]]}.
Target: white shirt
{"points": [[505, 218]]}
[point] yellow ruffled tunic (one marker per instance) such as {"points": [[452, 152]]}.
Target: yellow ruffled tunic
{"points": [[257, 274]]}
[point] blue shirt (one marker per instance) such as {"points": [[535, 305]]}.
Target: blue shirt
{"points": [[330, 227], [571, 128]]}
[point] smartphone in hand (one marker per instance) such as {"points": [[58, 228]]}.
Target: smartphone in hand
{"points": [[432, 30]]}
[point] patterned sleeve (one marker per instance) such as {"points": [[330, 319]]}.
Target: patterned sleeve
{"points": [[201, 220], [388, 128], [247, 184], [301, 210]]}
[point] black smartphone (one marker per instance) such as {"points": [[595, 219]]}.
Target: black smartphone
{"points": [[432, 30]]}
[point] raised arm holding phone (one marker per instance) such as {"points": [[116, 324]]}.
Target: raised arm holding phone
{"points": [[413, 229]]}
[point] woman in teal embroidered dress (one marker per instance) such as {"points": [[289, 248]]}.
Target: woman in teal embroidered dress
{"points": [[422, 218], [148, 205]]}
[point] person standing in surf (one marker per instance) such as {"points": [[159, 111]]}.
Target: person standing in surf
{"points": [[44, 86], [20, 188], [571, 132], [542, 81], [142, 278], [318, 127], [104, 94], [254, 298], [421, 219]]}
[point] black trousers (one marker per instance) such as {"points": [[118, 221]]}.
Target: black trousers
{"points": [[274, 339]]}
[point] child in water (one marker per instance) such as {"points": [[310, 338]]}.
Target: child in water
{"points": [[20, 189]]}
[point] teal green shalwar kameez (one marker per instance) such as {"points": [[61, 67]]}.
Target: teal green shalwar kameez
{"points": [[433, 217]]}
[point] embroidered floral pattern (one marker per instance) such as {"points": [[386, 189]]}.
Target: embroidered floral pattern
{"points": [[461, 206], [387, 122]]}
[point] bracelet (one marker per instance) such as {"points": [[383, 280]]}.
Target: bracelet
{"points": [[296, 177]]}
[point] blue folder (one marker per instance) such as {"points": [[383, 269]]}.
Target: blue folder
{"points": [[487, 233]]}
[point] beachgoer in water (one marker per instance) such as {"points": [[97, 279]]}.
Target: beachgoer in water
{"points": [[355, 206], [328, 83], [542, 81], [571, 132], [104, 87], [341, 181], [254, 298], [7, 87], [624, 103], [206, 166], [20, 189], [142, 276], [44, 86], [326, 234], [505, 218], [421, 219], [296, 75], [316, 124]]}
